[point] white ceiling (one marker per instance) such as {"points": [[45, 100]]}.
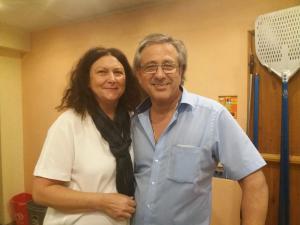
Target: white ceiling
{"points": [[33, 15]]}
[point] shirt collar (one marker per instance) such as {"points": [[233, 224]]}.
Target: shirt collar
{"points": [[186, 99]]}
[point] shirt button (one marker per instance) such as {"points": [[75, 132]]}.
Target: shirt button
{"points": [[156, 160], [148, 206], [153, 182]]}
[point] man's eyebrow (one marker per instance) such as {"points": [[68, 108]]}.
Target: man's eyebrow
{"points": [[150, 62]]}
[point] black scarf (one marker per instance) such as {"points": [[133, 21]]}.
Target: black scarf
{"points": [[117, 133]]}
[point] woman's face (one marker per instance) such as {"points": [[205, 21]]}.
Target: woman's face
{"points": [[107, 80]]}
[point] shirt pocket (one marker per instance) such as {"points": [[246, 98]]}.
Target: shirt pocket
{"points": [[184, 163]]}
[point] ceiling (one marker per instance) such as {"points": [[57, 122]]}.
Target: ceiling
{"points": [[33, 15]]}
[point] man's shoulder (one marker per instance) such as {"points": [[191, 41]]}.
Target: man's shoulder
{"points": [[198, 101]]}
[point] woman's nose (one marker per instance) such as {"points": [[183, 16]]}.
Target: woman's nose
{"points": [[111, 76]]}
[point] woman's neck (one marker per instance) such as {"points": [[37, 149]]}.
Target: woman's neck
{"points": [[109, 109]]}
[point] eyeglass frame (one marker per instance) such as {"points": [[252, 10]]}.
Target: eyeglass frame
{"points": [[176, 66]]}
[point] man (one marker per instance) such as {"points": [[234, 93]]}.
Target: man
{"points": [[178, 139]]}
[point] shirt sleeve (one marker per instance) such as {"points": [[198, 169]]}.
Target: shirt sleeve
{"points": [[57, 155], [236, 151]]}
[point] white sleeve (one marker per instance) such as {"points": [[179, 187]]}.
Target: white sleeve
{"points": [[56, 158]]}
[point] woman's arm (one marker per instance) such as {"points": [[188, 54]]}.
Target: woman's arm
{"points": [[53, 193]]}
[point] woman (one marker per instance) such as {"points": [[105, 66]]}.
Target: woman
{"points": [[84, 173]]}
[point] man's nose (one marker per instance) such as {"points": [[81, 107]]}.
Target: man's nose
{"points": [[160, 73]]}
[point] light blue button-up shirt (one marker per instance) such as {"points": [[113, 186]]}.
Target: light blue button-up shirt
{"points": [[173, 176]]}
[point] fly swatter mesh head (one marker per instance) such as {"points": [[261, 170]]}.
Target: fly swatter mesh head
{"points": [[277, 41]]}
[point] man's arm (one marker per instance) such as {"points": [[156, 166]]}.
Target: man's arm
{"points": [[254, 199]]}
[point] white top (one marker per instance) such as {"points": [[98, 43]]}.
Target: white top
{"points": [[74, 151]]}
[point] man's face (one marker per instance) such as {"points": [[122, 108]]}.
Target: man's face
{"points": [[159, 73]]}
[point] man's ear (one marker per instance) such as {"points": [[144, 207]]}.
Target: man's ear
{"points": [[138, 75], [180, 71]]}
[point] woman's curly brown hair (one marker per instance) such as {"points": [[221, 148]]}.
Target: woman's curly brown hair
{"points": [[78, 95]]}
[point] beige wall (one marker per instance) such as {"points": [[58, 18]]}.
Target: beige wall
{"points": [[13, 42], [13, 38], [11, 130], [215, 33], [225, 207]]}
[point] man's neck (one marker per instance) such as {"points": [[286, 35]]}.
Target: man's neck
{"points": [[165, 107], [161, 114]]}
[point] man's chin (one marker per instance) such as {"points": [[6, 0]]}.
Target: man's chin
{"points": [[160, 97]]}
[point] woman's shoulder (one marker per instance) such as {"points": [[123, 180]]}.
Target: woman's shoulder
{"points": [[69, 115], [69, 118]]}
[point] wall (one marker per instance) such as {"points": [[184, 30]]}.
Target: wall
{"points": [[12, 43], [14, 38], [12, 171], [215, 33], [225, 207]]}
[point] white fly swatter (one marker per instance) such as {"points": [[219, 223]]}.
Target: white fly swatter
{"points": [[277, 42]]}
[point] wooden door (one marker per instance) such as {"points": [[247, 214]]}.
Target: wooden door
{"points": [[269, 133]]}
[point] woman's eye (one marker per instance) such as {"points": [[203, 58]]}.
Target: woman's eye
{"points": [[118, 73], [101, 72]]}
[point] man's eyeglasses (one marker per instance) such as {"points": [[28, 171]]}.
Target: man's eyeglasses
{"points": [[168, 68]]}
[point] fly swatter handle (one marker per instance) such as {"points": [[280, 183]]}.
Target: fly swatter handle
{"points": [[256, 110], [284, 159]]}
